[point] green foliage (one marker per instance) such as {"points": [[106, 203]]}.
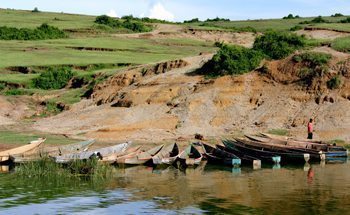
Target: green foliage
{"points": [[291, 16], [316, 20], [230, 60], [2, 86], [313, 59], [347, 20], [42, 32], [341, 44], [296, 28], [54, 78], [278, 45], [35, 10], [192, 20], [217, 19], [337, 15], [334, 83], [14, 92], [134, 26]]}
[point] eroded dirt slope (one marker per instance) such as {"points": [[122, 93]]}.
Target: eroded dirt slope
{"points": [[146, 105]]}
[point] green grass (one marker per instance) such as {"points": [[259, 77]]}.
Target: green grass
{"points": [[280, 132], [276, 24], [21, 18], [55, 52], [342, 44], [13, 137]]}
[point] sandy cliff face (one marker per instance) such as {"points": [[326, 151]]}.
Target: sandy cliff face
{"points": [[150, 104]]}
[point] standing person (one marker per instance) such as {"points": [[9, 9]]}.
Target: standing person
{"points": [[310, 129]]}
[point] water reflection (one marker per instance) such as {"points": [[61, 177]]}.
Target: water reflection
{"points": [[310, 189]]}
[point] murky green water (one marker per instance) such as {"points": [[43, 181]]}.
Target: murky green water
{"points": [[325, 189]]}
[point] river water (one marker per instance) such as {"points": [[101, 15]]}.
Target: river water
{"points": [[314, 189]]}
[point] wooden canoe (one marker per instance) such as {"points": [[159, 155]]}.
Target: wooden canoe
{"points": [[102, 152], [246, 160], [314, 154], [220, 157], [167, 155], [33, 146], [53, 151], [189, 157], [111, 159], [140, 157], [269, 156]]}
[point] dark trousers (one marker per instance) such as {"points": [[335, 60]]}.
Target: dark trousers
{"points": [[309, 136]]}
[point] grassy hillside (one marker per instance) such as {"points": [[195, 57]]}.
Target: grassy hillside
{"points": [[28, 19], [262, 25]]}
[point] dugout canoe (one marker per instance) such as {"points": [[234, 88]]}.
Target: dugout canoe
{"points": [[189, 157], [100, 153], [269, 156], [111, 159], [246, 160], [53, 151], [220, 157], [5, 156], [139, 157], [167, 155]]}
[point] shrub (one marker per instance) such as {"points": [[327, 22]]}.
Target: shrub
{"points": [[230, 60], [337, 15], [347, 20], [217, 19], [14, 92], [192, 20], [296, 28], [318, 19], [54, 78], [313, 59], [334, 83], [134, 26], [290, 16], [341, 44], [35, 10], [277, 45], [42, 32], [2, 86]]}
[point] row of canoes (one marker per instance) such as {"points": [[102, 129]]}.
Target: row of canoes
{"points": [[251, 151]]}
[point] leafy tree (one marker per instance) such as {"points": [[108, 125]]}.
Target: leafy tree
{"points": [[35, 10]]}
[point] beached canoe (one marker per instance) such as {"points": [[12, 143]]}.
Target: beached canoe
{"points": [[111, 159], [167, 155], [139, 157], [246, 160], [5, 156], [269, 156], [53, 151], [100, 153], [314, 154], [220, 157], [330, 151], [189, 157]]}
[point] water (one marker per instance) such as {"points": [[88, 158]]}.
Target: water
{"points": [[325, 189]]}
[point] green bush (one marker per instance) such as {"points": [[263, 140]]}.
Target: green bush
{"points": [[192, 20], [54, 78], [341, 44], [2, 86], [313, 59], [334, 83], [35, 10], [42, 32], [296, 28], [230, 60], [217, 19], [337, 15], [134, 26], [278, 45], [14, 92], [347, 20], [318, 19], [290, 16]]}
